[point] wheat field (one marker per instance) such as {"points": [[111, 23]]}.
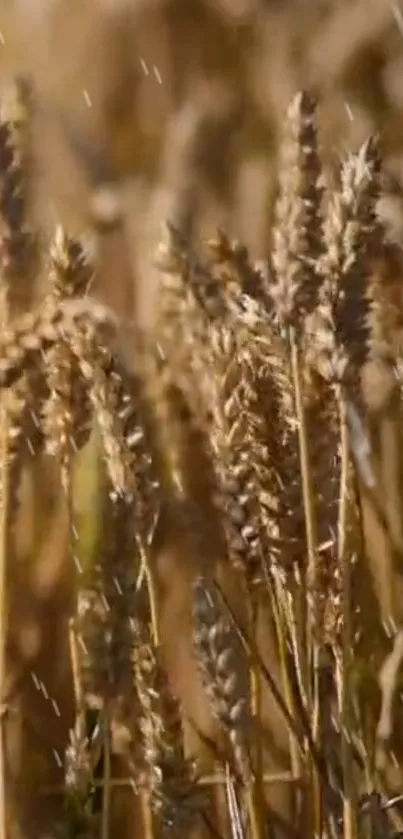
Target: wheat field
{"points": [[201, 552]]}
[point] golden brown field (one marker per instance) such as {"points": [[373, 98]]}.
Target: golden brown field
{"points": [[201, 469]]}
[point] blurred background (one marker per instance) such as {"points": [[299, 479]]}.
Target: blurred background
{"points": [[180, 103]]}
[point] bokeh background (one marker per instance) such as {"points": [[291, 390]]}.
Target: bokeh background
{"points": [[182, 102]]}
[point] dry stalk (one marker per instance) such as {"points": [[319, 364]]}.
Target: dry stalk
{"points": [[297, 248], [344, 657], [344, 303]]}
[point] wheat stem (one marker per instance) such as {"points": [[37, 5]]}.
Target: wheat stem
{"points": [[146, 808], [285, 609], [281, 633], [255, 812], [312, 647], [307, 486], [344, 656], [255, 796], [147, 815]]}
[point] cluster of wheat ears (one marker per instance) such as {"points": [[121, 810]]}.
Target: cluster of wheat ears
{"points": [[267, 367]]}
